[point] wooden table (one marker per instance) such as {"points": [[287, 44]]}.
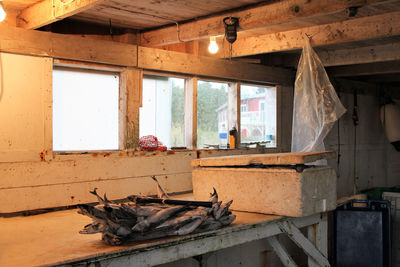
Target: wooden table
{"points": [[53, 239]]}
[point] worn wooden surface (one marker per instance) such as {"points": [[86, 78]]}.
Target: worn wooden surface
{"points": [[269, 18], [272, 190], [53, 238], [157, 59], [23, 135], [48, 11], [265, 159], [384, 25]]}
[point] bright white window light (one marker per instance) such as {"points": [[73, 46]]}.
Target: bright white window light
{"points": [[2, 12], [85, 110], [213, 47]]}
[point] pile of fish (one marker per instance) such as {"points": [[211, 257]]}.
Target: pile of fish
{"points": [[144, 218]]}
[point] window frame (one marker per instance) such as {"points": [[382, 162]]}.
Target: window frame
{"points": [[278, 137], [122, 102], [190, 106]]}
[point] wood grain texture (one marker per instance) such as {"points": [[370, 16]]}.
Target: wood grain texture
{"points": [[272, 17], [157, 59], [48, 11], [264, 159], [36, 43], [385, 25]]}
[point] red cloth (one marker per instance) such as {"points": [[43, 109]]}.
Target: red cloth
{"points": [[150, 142]]}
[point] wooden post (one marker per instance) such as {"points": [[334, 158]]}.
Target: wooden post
{"points": [[318, 235], [132, 79], [191, 113]]}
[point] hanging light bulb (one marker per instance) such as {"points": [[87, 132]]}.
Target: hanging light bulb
{"points": [[213, 47], [2, 12]]}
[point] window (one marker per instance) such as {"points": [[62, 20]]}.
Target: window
{"points": [[212, 112], [162, 111], [258, 121], [85, 110]]}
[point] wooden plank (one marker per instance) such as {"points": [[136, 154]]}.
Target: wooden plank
{"points": [[360, 55], [265, 159], [38, 197], [281, 251], [275, 14], [25, 125], [41, 233], [157, 59], [36, 43], [385, 25], [297, 237], [96, 166], [48, 11], [365, 69]]}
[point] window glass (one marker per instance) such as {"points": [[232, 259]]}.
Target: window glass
{"points": [[162, 112], [212, 112], [85, 110], [258, 114]]}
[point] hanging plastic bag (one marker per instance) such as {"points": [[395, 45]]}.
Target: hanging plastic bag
{"points": [[316, 105]]}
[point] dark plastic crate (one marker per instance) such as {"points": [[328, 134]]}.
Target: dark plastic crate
{"points": [[360, 234]]}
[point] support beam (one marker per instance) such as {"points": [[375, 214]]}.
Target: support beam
{"points": [[365, 69], [379, 26], [282, 15], [340, 57], [157, 59], [281, 251], [297, 237], [45, 44], [49, 11]]}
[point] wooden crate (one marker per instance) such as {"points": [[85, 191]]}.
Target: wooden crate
{"points": [[272, 189]]}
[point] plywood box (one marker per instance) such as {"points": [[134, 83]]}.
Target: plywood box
{"points": [[273, 189]]}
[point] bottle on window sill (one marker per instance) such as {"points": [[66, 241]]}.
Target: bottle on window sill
{"points": [[223, 137], [232, 137]]}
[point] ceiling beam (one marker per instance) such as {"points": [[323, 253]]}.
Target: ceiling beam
{"points": [[365, 69], [337, 57], [379, 26], [288, 14], [49, 11]]}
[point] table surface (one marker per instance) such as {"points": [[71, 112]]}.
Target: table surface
{"points": [[53, 238]]}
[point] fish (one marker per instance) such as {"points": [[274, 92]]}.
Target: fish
{"points": [[94, 192], [213, 196], [160, 192], [189, 227], [92, 228], [225, 220], [222, 209], [182, 218], [157, 218]]}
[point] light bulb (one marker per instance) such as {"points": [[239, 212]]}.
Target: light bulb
{"points": [[2, 12], [213, 47]]}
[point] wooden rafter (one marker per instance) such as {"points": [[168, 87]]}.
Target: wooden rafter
{"points": [[379, 26], [49, 11], [289, 14]]}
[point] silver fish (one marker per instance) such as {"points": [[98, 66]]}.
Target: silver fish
{"points": [[157, 218], [160, 192], [189, 227], [223, 209]]}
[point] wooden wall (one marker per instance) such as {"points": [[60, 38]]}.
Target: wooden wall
{"points": [[32, 177]]}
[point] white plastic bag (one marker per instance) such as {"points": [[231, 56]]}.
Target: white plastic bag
{"points": [[316, 105]]}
